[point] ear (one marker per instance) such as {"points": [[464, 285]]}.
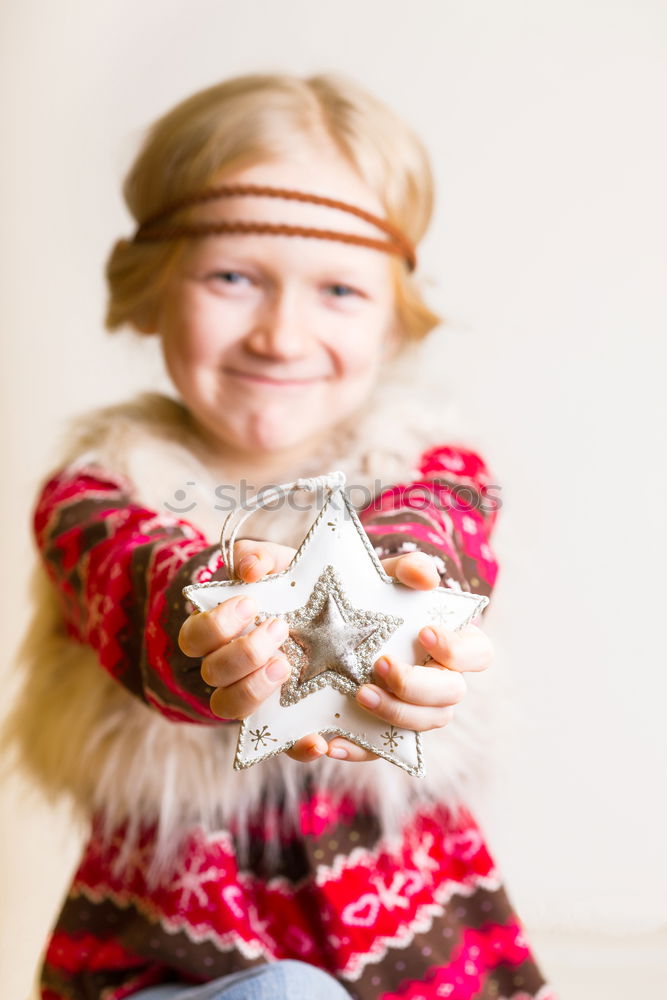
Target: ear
{"points": [[146, 321], [144, 327]]}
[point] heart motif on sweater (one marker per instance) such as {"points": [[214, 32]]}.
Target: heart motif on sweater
{"points": [[364, 912]]}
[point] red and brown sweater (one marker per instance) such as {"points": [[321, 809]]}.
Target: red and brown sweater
{"points": [[421, 915]]}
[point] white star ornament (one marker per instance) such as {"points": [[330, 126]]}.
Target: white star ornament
{"points": [[343, 612]]}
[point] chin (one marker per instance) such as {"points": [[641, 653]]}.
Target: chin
{"points": [[278, 441], [282, 431]]}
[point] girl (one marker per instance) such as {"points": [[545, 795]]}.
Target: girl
{"points": [[322, 869]]}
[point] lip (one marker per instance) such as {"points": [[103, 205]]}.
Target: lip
{"points": [[267, 380]]}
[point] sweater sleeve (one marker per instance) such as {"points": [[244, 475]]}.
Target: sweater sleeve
{"points": [[119, 569], [448, 510]]}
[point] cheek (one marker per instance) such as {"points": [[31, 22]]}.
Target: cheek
{"points": [[358, 355], [191, 335]]}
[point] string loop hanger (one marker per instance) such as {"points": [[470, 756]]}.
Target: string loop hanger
{"points": [[330, 482]]}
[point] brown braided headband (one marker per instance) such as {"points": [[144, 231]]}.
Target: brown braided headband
{"points": [[153, 228]]}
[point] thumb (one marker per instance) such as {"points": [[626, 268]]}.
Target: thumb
{"points": [[254, 559], [414, 569]]}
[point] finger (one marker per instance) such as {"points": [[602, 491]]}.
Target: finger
{"points": [[468, 648], [241, 699], [204, 631], [254, 559], [308, 748], [400, 713], [420, 685], [242, 656], [414, 569], [342, 749]]}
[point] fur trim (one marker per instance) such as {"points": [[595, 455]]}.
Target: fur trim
{"points": [[77, 731]]}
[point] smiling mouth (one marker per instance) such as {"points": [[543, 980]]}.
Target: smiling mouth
{"points": [[268, 380]]}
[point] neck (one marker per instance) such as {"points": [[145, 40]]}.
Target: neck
{"points": [[257, 469]]}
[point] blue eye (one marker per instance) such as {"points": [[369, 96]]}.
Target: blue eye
{"points": [[346, 289], [226, 274]]}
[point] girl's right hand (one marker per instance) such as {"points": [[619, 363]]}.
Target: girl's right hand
{"points": [[245, 669]]}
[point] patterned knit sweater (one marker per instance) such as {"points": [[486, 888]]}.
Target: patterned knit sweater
{"points": [[308, 868]]}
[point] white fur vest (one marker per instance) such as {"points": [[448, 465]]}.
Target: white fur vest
{"points": [[78, 732]]}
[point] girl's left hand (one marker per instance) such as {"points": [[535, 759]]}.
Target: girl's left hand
{"points": [[412, 696]]}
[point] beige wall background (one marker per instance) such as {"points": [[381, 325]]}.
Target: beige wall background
{"points": [[545, 122]]}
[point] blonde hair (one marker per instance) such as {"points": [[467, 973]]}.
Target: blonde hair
{"points": [[250, 119]]}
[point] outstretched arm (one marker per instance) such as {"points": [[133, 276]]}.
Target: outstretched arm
{"points": [[119, 569]]}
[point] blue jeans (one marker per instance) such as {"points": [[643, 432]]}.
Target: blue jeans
{"points": [[282, 980]]}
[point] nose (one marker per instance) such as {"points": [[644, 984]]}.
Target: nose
{"points": [[281, 327]]}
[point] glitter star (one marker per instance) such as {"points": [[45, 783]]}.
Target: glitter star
{"points": [[332, 642]]}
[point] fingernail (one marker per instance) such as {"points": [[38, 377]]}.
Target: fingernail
{"points": [[278, 670], [428, 637], [244, 608], [278, 628], [382, 666], [368, 697], [339, 752], [246, 562]]}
